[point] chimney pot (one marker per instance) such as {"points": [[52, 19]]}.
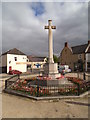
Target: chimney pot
{"points": [[88, 41], [66, 44]]}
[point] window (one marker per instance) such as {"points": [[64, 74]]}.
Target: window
{"points": [[9, 62], [15, 58], [88, 64], [27, 60], [24, 58], [79, 56]]}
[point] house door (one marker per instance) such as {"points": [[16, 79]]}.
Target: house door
{"points": [[10, 68]]}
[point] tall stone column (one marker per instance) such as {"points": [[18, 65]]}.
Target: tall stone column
{"points": [[50, 40]]}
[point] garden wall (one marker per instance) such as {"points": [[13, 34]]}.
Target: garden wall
{"points": [[29, 76], [79, 75]]}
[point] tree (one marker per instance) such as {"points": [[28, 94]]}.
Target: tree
{"points": [[55, 58]]}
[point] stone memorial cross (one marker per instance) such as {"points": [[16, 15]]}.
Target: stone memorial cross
{"points": [[50, 37]]}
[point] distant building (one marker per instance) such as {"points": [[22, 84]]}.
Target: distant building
{"points": [[77, 57], [88, 59], [9, 61], [35, 62]]}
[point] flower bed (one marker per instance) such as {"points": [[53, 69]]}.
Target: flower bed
{"points": [[70, 90], [59, 78], [43, 78], [82, 84], [31, 88], [75, 80], [22, 86]]}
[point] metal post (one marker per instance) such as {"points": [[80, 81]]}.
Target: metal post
{"points": [[5, 84], [78, 75], [18, 76], [37, 88], [78, 89], [84, 76], [39, 73]]}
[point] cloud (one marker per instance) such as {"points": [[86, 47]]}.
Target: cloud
{"points": [[23, 25]]}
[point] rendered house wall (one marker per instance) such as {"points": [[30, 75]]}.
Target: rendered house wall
{"points": [[11, 62]]}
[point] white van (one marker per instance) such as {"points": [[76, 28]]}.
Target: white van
{"points": [[64, 69]]}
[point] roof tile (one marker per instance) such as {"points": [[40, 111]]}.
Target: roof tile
{"points": [[79, 49], [14, 51]]}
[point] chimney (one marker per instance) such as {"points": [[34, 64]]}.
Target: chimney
{"points": [[66, 44], [88, 41]]}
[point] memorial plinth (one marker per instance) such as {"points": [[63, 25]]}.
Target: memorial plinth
{"points": [[51, 70]]}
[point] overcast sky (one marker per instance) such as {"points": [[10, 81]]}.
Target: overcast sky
{"points": [[23, 25]]}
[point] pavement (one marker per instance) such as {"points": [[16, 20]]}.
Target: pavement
{"points": [[20, 107], [3, 77]]}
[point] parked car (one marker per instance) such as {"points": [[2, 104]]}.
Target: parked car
{"points": [[61, 70], [11, 72], [67, 70], [64, 69]]}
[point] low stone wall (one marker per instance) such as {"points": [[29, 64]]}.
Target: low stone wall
{"points": [[79, 75], [48, 97], [88, 76], [5, 77], [29, 76]]}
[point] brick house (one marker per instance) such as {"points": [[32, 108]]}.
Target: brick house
{"points": [[77, 57], [88, 60]]}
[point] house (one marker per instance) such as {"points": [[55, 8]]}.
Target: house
{"points": [[36, 61], [77, 57], [9, 61], [88, 59]]}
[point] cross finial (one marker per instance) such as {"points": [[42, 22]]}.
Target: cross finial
{"points": [[50, 25]]}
